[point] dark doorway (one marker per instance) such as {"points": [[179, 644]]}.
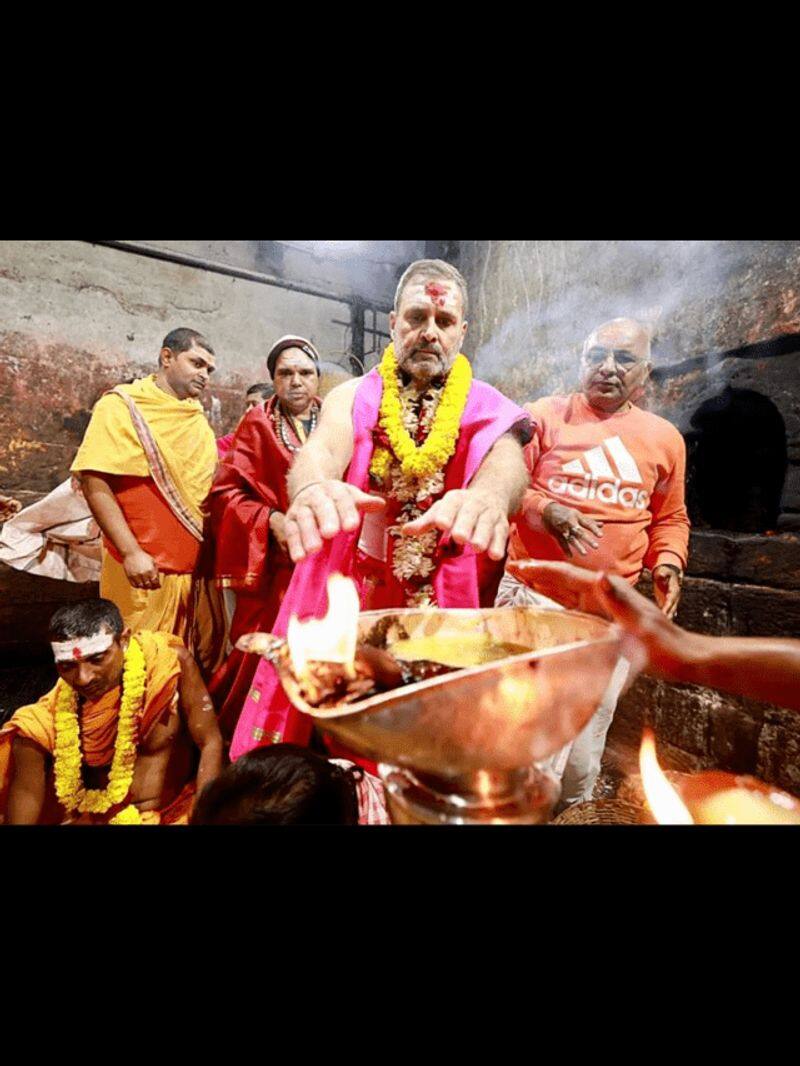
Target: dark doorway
{"points": [[736, 462]]}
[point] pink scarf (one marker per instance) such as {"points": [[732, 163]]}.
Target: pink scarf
{"points": [[267, 716]]}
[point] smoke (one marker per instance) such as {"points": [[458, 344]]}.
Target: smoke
{"points": [[534, 302]]}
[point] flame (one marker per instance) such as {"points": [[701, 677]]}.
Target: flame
{"points": [[483, 781], [331, 639], [665, 803]]}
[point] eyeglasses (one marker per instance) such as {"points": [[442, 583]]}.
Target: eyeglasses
{"points": [[623, 358]]}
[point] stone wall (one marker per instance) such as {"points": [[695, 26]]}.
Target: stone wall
{"points": [[77, 317], [368, 269], [533, 302], [740, 415], [736, 585]]}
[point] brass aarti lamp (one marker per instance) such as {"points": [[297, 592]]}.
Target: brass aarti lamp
{"points": [[462, 747]]}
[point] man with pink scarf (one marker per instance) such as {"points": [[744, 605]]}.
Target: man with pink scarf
{"points": [[408, 535]]}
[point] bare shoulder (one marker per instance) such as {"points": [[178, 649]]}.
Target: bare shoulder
{"points": [[28, 754], [339, 401], [343, 393]]}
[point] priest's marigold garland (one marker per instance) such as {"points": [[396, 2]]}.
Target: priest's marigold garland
{"points": [[422, 460], [68, 757]]}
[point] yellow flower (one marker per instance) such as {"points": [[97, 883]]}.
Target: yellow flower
{"points": [[127, 816], [67, 749], [381, 464], [434, 453]]}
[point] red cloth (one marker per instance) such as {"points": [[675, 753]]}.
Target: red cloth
{"points": [[250, 482], [153, 523], [224, 444]]}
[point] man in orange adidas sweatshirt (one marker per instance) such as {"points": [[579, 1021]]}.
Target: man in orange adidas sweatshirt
{"points": [[607, 490]]}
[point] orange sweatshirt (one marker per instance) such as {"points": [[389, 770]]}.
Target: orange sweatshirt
{"points": [[626, 470]]}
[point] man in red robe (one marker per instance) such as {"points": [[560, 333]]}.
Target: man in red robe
{"points": [[248, 502]]}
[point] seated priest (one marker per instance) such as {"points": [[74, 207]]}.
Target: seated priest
{"points": [[126, 737]]}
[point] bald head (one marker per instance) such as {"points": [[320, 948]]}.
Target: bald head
{"points": [[616, 363], [620, 333]]}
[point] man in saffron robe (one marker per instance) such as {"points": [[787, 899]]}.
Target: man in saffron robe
{"points": [[248, 503], [146, 465], [174, 721], [430, 528]]}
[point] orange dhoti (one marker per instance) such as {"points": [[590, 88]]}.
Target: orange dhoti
{"points": [[158, 455], [187, 605]]}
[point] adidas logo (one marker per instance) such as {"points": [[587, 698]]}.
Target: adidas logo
{"points": [[601, 481]]}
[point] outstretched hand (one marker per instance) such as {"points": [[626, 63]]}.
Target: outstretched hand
{"points": [[571, 586], [470, 516], [323, 509], [611, 597], [666, 644]]}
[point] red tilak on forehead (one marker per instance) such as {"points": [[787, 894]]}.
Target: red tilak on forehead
{"points": [[437, 292]]}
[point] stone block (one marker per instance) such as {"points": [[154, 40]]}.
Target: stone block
{"points": [[683, 716], [779, 756], [733, 739], [790, 500], [773, 561], [705, 607], [741, 705], [671, 757], [637, 706], [758, 611], [780, 716], [710, 553]]}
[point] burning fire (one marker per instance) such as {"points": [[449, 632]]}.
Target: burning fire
{"points": [[746, 801], [665, 803], [331, 639]]}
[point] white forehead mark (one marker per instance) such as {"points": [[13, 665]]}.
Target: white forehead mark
{"points": [[81, 647]]}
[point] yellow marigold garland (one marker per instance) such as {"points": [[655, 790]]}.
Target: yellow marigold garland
{"points": [[440, 444], [68, 757]]}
